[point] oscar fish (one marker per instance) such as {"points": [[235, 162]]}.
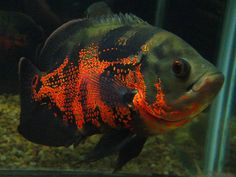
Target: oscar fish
{"points": [[113, 75]]}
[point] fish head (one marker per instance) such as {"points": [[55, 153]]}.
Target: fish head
{"points": [[179, 82]]}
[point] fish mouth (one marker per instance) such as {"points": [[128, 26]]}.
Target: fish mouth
{"points": [[209, 82], [199, 95], [205, 87]]}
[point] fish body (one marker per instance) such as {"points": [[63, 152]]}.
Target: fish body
{"points": [[116, 75]]}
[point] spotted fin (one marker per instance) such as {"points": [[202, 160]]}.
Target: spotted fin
{"points": [[38, 123], [112, 91]]}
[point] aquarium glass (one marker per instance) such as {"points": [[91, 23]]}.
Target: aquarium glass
{"points": [[230, 150]]}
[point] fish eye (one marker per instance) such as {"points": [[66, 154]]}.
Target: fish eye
{"points": [[180, 67]]}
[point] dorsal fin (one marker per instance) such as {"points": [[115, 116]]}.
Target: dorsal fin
{"points": [[116, 19]]}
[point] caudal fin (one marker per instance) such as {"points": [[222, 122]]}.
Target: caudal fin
{"points": [[37, 122]]}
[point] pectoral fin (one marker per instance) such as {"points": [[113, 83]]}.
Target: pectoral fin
{"points": [[109, 143], [127, 144], [129, 151]]}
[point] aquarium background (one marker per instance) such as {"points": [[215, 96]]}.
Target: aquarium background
{"points": [[180, 153]]}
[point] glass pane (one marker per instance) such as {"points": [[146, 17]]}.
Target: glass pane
{"points": [[231, 151]]}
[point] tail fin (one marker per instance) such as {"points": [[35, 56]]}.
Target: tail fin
{"points": [[37, 122]]}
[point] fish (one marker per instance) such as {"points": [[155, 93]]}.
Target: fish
{"points": [[19, 35], [15, 35], [114, 75]]}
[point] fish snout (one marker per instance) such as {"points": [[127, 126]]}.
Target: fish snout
{"points": [[209, 83]]}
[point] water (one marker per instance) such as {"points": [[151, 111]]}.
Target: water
{"points": [[178, 153]]}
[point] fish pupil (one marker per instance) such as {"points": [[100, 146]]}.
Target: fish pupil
{"points": [[180, 68]]}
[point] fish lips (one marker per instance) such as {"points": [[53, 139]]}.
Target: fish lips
{"points": [[210, 83]]}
